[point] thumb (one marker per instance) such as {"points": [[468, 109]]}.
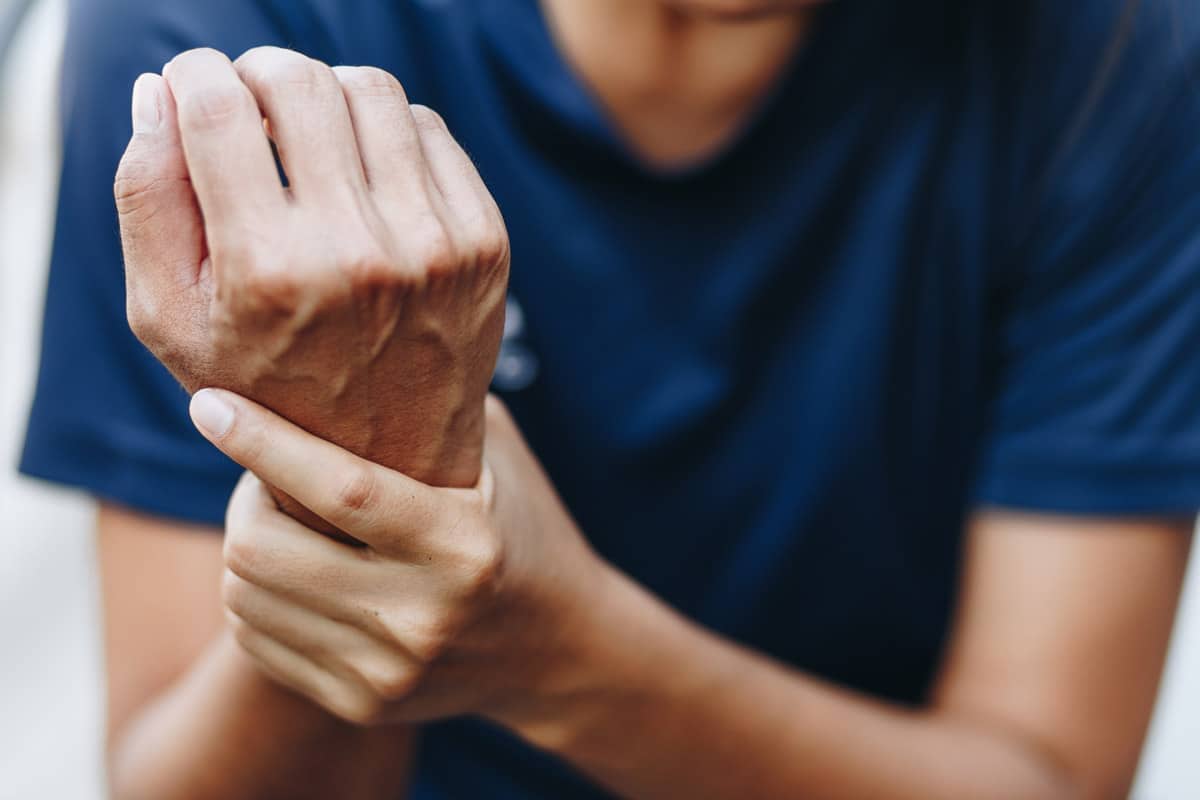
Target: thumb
{"points": [[162, 231]]}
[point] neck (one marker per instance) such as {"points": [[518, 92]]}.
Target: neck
{"points": [[677, 85]]}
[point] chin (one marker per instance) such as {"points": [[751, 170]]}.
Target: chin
{"points": [[741, 9]]}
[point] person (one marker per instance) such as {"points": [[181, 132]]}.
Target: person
{"points": [[857, 340]]}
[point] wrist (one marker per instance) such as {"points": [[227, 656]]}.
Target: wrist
{"points": [[616, 653], [276, 706], [438, 443], [451, 456]]}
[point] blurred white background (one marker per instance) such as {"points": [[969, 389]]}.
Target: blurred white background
{"points": [[50, 700], [51, 707]]}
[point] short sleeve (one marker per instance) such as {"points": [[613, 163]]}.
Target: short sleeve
{"points": [[106, 416], [1096, 401]]}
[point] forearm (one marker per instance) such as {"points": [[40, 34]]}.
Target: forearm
{"points": [[225, 731], [667, 710]]}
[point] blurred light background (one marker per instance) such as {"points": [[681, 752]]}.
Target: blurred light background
{"points": [[51, 707]]}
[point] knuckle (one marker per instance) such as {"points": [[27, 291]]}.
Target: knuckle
{"points": [[242, 632], [492, 247], [195, 59], [244, 510], [135, 198], [242, 549], [392, 681], [478, 557], [199, 55], [158, 331], [368, 267], [212, 107], [484, 563], [370, 81], [257, 55], [231, 245], [141, 189], [262, 282], [241, 556], [434, 250], [274, 68], [143, 320], [356, 708], [358, 490], [233, 591], [392, 628], [135, 177], [427, 120], [430, 637], [260, 288]]}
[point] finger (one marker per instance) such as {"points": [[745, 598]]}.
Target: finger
{"points": [[457, 180], [338, 648], [386, 132], [382, 508], [343, 698], [266, 546], [310, 124], [162, 232], [228, 155], [269, 551]]}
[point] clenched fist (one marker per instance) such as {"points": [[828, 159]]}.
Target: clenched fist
{"points": [[362, 298]]}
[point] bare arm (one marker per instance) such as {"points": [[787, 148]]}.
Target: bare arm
{"points": [[188, 715], [364, 301], [1046, 691]]}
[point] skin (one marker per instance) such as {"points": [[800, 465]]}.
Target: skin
{"points": [[488, 601], [688, 74], [386, 249], [294, 697]]}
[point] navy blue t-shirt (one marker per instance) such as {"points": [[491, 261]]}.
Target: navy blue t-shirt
{"points": [[953, 261]]}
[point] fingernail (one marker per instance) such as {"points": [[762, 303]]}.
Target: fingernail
{"points": [[147, 104], [211, 413]]}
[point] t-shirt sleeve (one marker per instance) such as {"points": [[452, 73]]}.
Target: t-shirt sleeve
{"points": [[106, 416], [1096, 406]]}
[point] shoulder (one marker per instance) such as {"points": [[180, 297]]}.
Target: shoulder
{"points": [[1095, 108], [1092, 83], [1098, 399]]}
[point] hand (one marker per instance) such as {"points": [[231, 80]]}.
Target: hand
{"points": [[464, 600], [364, 301]]}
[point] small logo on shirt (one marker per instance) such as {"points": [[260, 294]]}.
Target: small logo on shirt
{"points": [[517, 366]]}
